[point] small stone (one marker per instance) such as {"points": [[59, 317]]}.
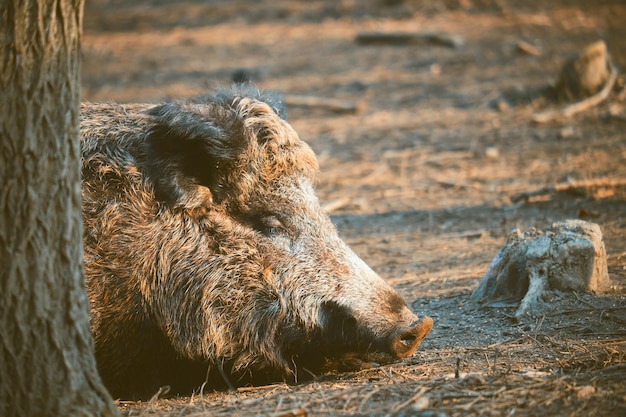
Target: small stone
{"points": [[435, 69], [566, 132], [502, 105], [585, 391], [421, 404], [492, 152], [474, 380], [616, 109]]}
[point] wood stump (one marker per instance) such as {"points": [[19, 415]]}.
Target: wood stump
{"points": [[568, 256], [584, 74]]}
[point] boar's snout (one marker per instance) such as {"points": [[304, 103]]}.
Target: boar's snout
{"points": [[403, 341]]}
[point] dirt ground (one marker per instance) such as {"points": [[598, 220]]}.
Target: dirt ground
{"points": [[425, 177]]}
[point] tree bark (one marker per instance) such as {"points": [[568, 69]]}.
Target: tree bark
{"points": [[47, 367]]}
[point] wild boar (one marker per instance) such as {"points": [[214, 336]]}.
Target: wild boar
{"points": [[209, 258]]}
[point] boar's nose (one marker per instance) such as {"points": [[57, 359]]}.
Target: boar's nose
{"points": [[404, 340]]}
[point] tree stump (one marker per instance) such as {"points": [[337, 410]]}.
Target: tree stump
{"points": [[584, 74], [568, 256]]}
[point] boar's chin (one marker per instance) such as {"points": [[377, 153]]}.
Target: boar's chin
{"points": [[342, 344], [350, 362]]}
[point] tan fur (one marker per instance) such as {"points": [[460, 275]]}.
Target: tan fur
{"points": [[206, 247]]}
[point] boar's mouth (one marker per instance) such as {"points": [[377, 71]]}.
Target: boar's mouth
{"points": [[345, 345]]}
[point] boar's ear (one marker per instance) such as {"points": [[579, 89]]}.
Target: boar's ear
{"points": [[240, 90], [189, 146]]}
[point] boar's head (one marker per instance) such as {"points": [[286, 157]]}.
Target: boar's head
{"points": [[207, 248]]}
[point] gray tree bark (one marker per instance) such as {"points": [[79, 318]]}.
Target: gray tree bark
{"points": [[47, 367]]}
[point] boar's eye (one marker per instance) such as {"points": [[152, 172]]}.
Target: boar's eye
{"points": [[269, 225]]}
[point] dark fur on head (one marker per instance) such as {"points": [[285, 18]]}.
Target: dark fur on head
{"points": [[194, 142]]}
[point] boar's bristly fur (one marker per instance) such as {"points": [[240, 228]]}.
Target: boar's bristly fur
{"points": [[208, 255]]}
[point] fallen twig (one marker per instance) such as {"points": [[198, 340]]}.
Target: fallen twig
{"points": [[366, 398], [579, 106], [590, 309], [602, 182], [404, 38], [332, 104], [470, 234], [299, 412], [528, 48], [336, 204]]}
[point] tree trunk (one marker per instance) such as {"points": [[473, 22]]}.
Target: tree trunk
{"points": [[47, 367]]}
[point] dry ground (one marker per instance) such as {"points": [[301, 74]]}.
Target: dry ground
{"points": [[425, 179]]}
